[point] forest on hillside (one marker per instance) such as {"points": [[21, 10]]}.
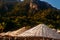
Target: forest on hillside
{"points": [[15, 16]]}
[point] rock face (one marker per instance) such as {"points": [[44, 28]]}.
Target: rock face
{"points": [[37, 4]]}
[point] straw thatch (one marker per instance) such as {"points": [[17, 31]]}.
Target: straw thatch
{"points": [[14, 33], [40, 31]]}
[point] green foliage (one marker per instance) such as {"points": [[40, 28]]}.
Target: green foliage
{"points": [[19, 15]]}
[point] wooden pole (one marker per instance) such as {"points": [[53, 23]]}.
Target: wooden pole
{"points": [[43, 38], [3, 38], [9, 38], [24, 38], [15, 38], [52, 39]]}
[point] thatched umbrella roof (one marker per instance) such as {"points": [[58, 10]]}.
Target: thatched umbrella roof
{"points": [[40, 30], [14, 33]]}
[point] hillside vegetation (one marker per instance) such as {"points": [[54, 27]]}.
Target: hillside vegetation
{"points": [[15, 16]]}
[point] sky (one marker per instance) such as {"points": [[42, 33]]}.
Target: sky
{"points": [[54, 3]]}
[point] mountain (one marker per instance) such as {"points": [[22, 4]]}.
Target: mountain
{"points": [[39, 4], [28, 13]]}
